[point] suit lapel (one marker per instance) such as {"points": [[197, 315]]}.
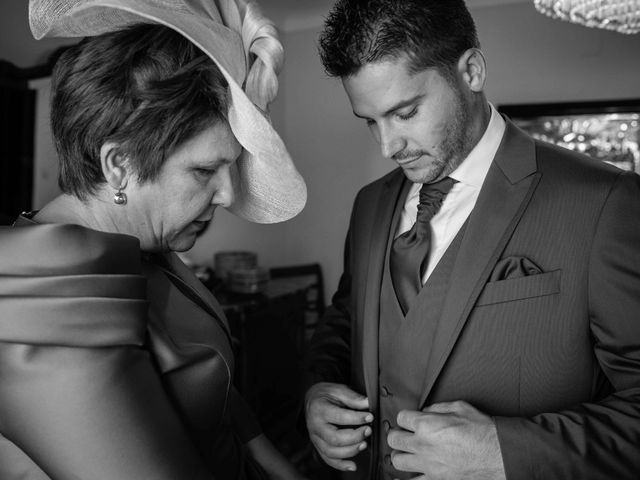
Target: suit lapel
{"points": [[391, 195], [505, 194]]}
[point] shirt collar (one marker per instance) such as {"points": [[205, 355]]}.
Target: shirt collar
{"points": [[474, 168]]}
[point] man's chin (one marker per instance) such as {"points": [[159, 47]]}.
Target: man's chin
{"points": [[417, 175]]}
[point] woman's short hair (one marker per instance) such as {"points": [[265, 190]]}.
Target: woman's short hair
{"points": [[431, 33], [146, 88]]}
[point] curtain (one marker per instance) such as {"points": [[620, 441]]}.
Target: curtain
{"points": [[17, 112]]}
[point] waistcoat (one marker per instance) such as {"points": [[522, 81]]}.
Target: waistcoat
{"points": [[404, 345]]}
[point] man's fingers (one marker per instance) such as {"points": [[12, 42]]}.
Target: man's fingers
{"points": [[323, 411], [338, 457], [447, 407], [329, 406], [351, 399], [341, 437], [403, 462], [400, 440], [339, 415], [408, 419], [340, 395], [338, 452], [336, 404], [343, 465]]}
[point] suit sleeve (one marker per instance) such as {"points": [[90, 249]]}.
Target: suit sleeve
{"points": [[599, 439], [81, 412], [328, 358]]}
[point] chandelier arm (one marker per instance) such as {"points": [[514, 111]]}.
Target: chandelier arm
{"points": [[621, 16]]}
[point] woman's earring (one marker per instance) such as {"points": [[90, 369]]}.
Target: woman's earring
{"points": [[120, 198]]}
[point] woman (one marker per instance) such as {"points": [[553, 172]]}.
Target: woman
{"points": [[115, 362]]}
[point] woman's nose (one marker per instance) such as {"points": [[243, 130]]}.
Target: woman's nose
{"points": [[224, 194]]}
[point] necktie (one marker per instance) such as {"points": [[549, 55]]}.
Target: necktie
{"points": [[410, 251]]}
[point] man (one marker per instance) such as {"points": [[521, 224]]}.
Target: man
{"points": [[517, 355]]}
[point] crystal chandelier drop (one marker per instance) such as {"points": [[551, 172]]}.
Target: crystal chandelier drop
{"points": [[618, 15]]}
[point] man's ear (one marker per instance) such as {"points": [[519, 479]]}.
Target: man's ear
{"points": [[473, 69], [115, 165]]}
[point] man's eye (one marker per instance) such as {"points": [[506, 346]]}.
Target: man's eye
{"points": [[407, 116], [370, 122]]}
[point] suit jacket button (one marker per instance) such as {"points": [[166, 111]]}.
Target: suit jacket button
{"points": [[384, 391]]}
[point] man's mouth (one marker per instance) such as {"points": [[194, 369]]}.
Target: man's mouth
{"points": [[406, 161]]}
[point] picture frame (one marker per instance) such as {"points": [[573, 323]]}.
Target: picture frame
{"points": [[605, 130]]}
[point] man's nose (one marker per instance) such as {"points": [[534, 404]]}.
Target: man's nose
{"points": [[391, 141]]}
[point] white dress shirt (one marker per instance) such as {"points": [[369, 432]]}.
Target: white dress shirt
{"points": [[461, 199]]}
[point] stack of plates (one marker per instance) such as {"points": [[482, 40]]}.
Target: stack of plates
{"points": [[225, 262], [248, 280]]}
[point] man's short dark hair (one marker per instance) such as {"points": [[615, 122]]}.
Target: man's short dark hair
{"points": [[431, 33], [146, 87]]}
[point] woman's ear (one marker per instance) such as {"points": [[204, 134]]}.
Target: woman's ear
{"points": [[115, 166], [473, 69]]}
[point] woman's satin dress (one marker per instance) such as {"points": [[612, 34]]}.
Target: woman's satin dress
{"points": [[113, 365]]}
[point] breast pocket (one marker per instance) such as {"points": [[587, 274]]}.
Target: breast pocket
{"points": [[530, 286]]}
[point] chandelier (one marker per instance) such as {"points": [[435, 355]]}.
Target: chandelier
{"points": [[618, 15]]}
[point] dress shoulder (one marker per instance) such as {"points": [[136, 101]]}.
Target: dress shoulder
{"points": [[72, 286]]}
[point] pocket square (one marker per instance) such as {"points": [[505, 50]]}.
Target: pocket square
{"points": [[513, 267]]}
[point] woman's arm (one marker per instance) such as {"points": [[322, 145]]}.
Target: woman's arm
{"points": [[259, 446], [82, 412], [271, 460]]}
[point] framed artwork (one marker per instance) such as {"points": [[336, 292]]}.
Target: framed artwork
{"points": [[605, 130]]}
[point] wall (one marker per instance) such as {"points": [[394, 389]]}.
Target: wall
{"points": [[531, 59], [333, 151], [17, 45], [45, 168]]}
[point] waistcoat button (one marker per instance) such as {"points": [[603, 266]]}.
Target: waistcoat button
{"points": [[386, 426]]}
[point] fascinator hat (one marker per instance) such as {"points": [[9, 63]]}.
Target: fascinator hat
{"points": [[234, 34]]}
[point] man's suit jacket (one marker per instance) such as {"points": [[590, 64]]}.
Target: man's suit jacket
{"points": [[540, 327]]}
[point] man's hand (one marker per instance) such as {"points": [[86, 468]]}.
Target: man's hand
{"points": [[337, 420], [447, 441]]}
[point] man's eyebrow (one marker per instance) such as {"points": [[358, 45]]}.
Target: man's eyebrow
{"points": [[397, 106]]}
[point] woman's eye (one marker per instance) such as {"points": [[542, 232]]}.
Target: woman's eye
{"points": [[205, 172], [407, 116]]}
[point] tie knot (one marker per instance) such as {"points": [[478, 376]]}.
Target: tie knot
{"points": [[431, 197]]}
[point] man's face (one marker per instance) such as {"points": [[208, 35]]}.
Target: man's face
{"points": [[421, 120]]}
